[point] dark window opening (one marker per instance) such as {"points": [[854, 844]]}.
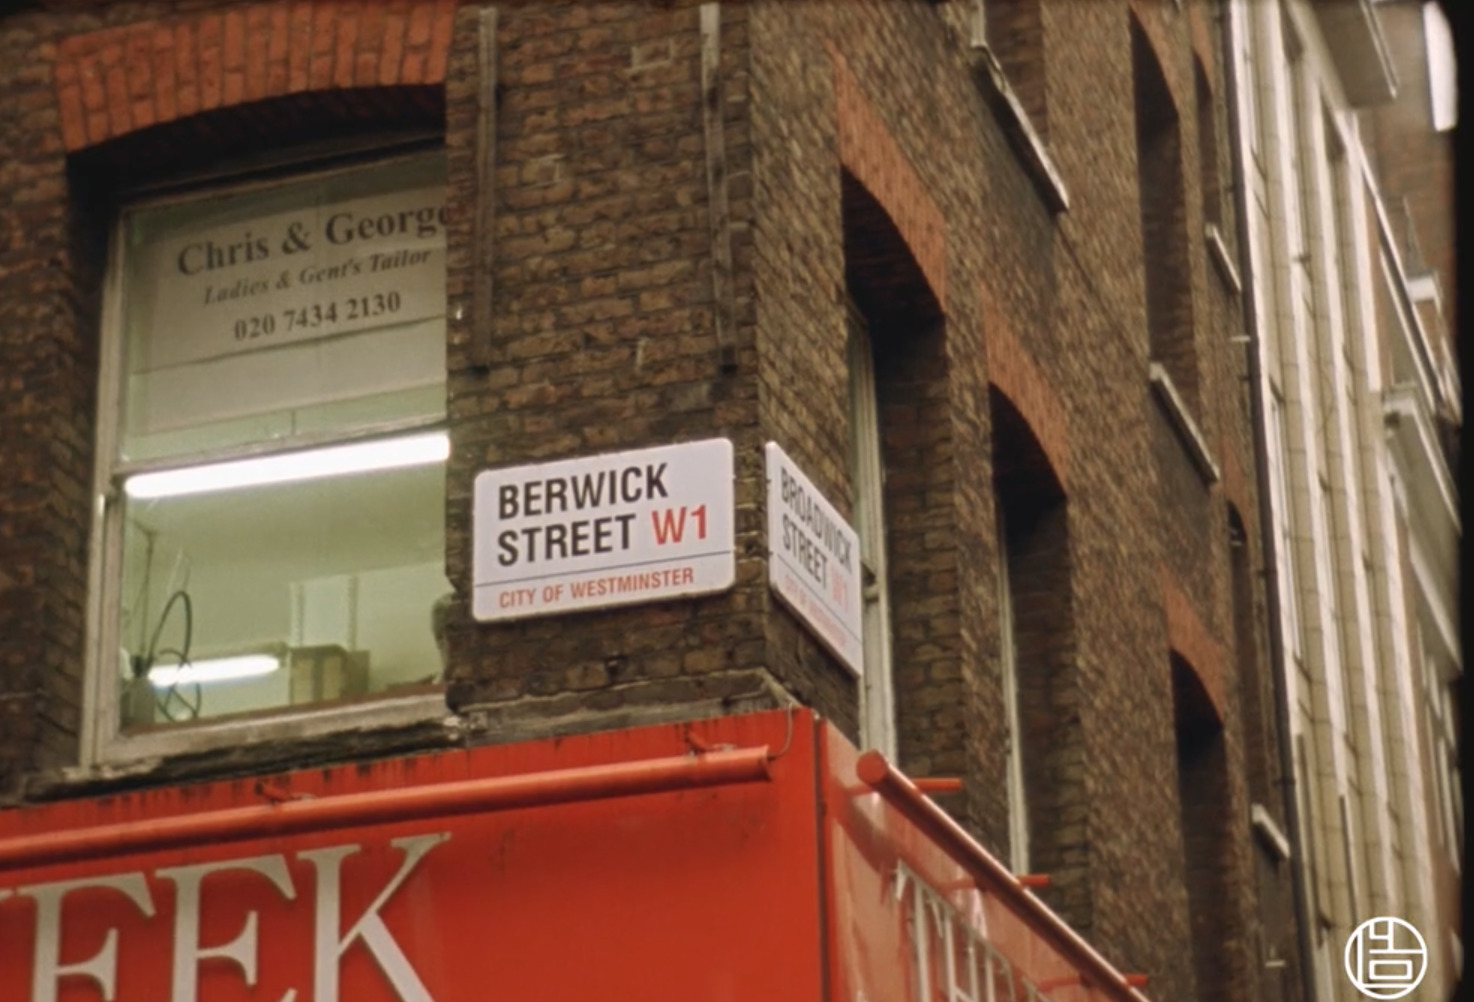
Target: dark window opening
{"points": [[1037, 648], [911, 475], [1208, 166], [1258, 702], [1168, 272], [1203, 792]]}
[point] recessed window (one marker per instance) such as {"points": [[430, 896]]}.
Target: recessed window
{"points": [[1036, 649], [877, 696], [901, 488], [272, 450], [1166, 270], [1208, 169], [1207, 827]]}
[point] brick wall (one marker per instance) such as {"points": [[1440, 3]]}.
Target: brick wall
{"points": [[103, 84], [48, 310], [1015, 33], [604, 339], [862, 163], [1056, 306], [1413, 162]]}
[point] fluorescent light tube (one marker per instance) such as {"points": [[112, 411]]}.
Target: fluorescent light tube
{"points": [[214, 670], [310, 464]]}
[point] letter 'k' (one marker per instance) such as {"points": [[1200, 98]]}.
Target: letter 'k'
{"points": [[370, 927]]}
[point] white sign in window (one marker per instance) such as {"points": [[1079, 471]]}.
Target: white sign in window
{"points": [[316, 304], [814, 559], [616, 529], [271, 454]]}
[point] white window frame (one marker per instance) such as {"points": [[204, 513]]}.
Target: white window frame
{"points": [[1018, 805], [101, 739], [877, 687], [1443, 750], [1280, 501], [1443, 88]]}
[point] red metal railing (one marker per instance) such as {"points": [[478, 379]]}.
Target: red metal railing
{"points": [[993, 877]]}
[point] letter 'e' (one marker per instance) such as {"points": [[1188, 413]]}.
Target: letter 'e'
{"points": [[102, 966], [188, 952]]}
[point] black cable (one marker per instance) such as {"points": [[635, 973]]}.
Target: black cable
{"points": [[143, 664], [153, 641]]}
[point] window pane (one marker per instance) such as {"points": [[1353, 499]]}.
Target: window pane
{"points": [[334, 579], [315, 306]]}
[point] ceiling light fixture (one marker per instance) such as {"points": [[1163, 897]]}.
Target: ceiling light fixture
{"points": [[213, 670], [310, 464]]}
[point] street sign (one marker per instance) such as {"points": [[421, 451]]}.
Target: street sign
{"points": [[599, 531], [813, 559]]}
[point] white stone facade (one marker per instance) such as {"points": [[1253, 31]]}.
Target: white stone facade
{"points": [[1354, 373]]}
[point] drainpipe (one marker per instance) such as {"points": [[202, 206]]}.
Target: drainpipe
{"points": [[1268, 541]]}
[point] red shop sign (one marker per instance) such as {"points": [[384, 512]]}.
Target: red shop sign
{"points": [[740, 858], [616, 866]]}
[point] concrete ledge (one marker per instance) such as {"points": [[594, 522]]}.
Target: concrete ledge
{"points": [[1218, 251], [1186, 428], [636, 704], [248, 758], [1269, 833], [1021, 134]]}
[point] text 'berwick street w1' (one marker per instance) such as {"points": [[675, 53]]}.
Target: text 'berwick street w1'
{"points": [[604, 530]]}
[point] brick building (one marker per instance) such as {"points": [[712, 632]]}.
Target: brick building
{"points": [[1346, 147], [972, 265]]}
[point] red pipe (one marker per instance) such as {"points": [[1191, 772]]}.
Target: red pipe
{"points": [[991, 875], [497, 793]]}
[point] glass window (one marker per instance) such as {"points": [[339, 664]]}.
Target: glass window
{"points": [[1018, 813], [275, 538], [877, 696]]}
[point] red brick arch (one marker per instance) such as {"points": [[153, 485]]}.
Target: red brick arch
{"points": [[871, 154], [1190, 640], [1013, 372], [115, 80]]}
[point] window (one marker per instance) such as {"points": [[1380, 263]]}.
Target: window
{"points": [[1163, 221], [877, 702], [1256, 698], [1018, 805], [1208, 166], [901, 483], [1439, 703], [1036, 645], [271, 453], [1207, 828]]}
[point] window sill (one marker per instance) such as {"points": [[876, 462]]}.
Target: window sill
{"points": [[1218, 251], [1269, 833], [1020, 131], [256, 744], [1182, 422]]}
